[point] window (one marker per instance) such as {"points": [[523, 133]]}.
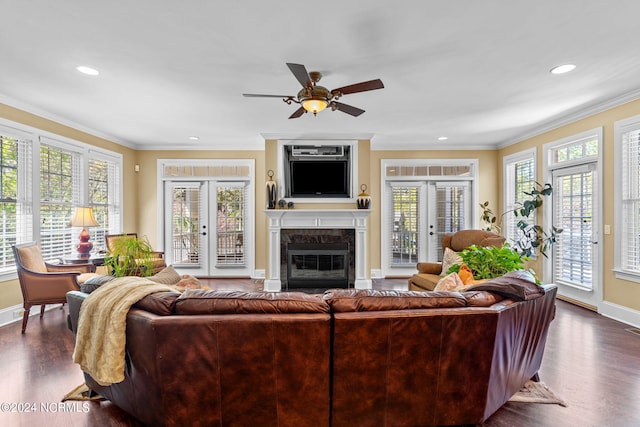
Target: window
{"points": [[38, 206], [59, 193], [104, 196], [519, 177], [627, 199], [15, 198]]}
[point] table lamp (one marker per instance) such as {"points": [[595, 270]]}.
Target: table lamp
{"points": [[83, 217]]}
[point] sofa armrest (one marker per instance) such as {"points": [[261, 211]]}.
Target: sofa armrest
{"points": [[429, 267], [74, 299]]}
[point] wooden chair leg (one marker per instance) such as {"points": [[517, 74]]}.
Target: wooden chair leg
{"points": [[25, 317], [42, 310]]}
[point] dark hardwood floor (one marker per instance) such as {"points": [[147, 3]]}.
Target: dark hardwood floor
{"points": [[591, 361]]}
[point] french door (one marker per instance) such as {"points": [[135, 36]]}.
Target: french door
{"points": [[207, 231], [575, 266], [416, 217]]}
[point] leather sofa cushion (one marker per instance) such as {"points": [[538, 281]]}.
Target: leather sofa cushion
{"points": [[482, 298], [201, 301], [160, 303], [349, 300]]}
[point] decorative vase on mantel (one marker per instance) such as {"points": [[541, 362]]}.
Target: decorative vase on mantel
{"points": [[364, 200], [272, 190]]}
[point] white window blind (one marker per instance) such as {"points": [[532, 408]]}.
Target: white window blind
{"points": [[104, 197], [573, 194], [59, 193], [404, 204], [230, 228], [519, 177], [630, 200], [16, 201]]}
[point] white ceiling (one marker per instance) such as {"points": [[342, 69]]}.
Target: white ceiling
{"points": [[476, 71]]}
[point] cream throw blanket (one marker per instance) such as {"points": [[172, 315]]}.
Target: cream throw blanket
{"points": [[100, 340]]}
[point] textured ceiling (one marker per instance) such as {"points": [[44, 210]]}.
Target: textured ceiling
{"points": [[474, 71]]}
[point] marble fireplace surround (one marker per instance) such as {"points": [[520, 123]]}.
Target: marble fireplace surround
{"points": [[305, 219]]}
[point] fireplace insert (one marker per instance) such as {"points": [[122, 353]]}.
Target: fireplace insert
{"points": [[317, 265]]}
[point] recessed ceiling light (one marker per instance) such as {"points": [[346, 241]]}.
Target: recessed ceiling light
{"points": [[561, 69], [194, 138], [87, 70], [442, 138]]}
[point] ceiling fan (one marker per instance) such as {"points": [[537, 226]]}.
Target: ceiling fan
{"points": [[314, 98]]}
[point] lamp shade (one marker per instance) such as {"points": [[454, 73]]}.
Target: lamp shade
{"points": [[314, 105], [83, 217]]}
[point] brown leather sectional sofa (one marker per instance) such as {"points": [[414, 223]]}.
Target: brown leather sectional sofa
{"points": [[345, 358]]}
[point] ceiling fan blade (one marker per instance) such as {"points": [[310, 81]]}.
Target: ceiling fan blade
{"points": [[300, 111], [354, 111], [257, 95], [360, 87], [300, 72]]}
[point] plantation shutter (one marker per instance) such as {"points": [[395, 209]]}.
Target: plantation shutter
{"points": [[404, 212], [16, 200], [104, 196], [630, 235], [521, 179], [230, 228], [60, 177]]}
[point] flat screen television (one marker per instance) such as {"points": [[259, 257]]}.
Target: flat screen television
{"points": [[319, 178]]}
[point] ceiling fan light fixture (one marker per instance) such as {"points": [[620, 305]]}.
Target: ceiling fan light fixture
{"points": [[314, 105]]}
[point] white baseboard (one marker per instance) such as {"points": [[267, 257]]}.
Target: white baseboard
{"points": [[14, 313], [259, 274], [620, 313], [376, 274]]}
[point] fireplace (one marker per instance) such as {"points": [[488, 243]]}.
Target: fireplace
{"points": [[322, 226], [317, 265]]}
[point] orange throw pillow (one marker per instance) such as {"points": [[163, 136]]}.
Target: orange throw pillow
{"points": [[465, 274]]}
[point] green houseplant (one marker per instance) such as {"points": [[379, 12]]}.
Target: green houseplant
{"points": [[532, 237], [130, 256], [489, 262]]}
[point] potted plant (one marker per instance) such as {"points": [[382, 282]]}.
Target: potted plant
{"points": [[130, 256], [533, 237], [489, 262]]}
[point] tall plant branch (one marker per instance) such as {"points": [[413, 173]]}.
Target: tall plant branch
{"points": [[532, 236]]}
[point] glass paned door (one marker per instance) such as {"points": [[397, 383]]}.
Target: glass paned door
{"points": [[230, 230], [184, 231], [404, 237], [450, 212], [574, 255], [191, 244], [417, 215]]}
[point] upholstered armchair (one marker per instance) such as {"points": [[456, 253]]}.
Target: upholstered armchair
{"points": [[149, 259], [429, 273], [43, 283]]}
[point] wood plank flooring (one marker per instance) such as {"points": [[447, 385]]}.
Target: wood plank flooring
{"points": [[591, 361]]}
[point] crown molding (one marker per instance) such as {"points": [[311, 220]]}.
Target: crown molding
{"points": [[27, 108], [573, 117]]}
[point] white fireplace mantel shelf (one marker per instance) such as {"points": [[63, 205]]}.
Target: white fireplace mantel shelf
{"points": [[355, 219]]}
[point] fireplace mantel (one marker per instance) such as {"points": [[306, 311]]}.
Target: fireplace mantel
{"points": [[317, 219]]}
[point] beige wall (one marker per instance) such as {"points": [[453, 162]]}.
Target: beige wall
{"points": [[616, 291]]}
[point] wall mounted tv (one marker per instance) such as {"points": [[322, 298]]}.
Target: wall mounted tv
{"points": [[317, 175]]}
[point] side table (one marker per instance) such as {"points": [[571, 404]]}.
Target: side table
{"points": [[96, 259]]}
